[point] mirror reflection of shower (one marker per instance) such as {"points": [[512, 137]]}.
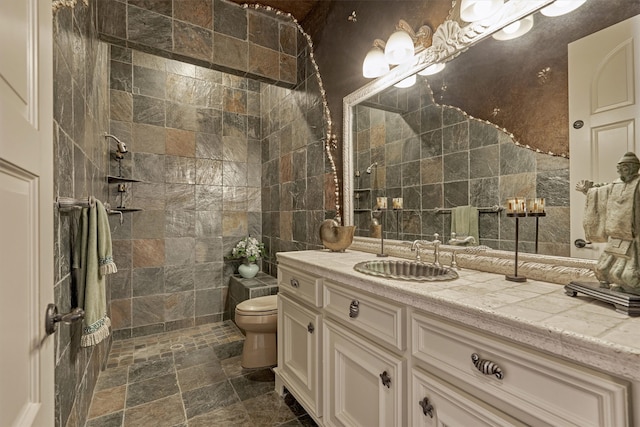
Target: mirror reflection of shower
{"points": [[121, 149], [373, 165], [121, 146]]}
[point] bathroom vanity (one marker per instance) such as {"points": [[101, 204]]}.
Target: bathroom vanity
{"points": [[360, 350]]}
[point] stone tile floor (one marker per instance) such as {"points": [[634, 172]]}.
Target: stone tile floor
{"points": [[188, 378]]}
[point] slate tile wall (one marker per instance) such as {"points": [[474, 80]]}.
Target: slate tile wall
{"points": [[206, 147], [81, 109], [211, 33], [297, 182], [435, 156], [194, 147]]}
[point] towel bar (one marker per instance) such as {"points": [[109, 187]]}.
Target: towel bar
{"points": [[492, 209]]}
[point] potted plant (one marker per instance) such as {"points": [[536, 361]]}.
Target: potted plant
{"points": [[249, 250]]}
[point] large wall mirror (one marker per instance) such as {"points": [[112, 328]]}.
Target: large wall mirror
{"points": [[493, 124]]}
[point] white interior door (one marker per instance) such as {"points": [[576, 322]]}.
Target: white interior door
{"points": [[26, 225], [603, 96]]}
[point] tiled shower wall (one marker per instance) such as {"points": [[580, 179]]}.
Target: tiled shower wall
{"points": [[81, 113], [436, 156], [218, 156], [194, 141], [210, 33], [297, 184]]}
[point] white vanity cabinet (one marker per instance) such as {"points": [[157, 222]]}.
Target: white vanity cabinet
{"points": [[363, 354], [531, 386], [300, 338], [435, 403]]}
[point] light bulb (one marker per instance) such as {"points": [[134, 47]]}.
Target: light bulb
{"points": [[375, 64], [515, 29], [399, 48], [408, 82], [477, 10], [560, 7], [432, 69]]}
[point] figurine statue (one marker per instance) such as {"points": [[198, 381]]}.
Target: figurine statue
{"points": [[612, 215]]}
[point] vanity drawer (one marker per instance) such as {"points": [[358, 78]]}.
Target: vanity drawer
{"points": [[540, 389], [381, 320], [301, 285]]}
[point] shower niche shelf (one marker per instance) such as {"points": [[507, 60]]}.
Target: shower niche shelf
{"points": [[121, 181], [125, 210], [112, 178]]}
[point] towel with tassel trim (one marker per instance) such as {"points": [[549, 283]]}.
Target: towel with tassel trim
{"points": [[92, 261]]}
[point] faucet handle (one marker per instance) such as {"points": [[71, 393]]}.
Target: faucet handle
{"points": [[454, 262]]}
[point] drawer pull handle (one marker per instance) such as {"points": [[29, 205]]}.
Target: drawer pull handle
{"points": [[427, 407], [295, 283], [386, 379], [487, 367], [354, 309], [310, 328]]}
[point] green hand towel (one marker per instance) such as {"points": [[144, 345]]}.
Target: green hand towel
{"points": [[92, 260], [464, 222]]}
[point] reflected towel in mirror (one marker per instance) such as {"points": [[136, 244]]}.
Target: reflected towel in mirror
{"points": [[464, 222]]}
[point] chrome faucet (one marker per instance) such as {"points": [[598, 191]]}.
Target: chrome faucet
{"points": [[415, 246], [469, 240], [436, 249]]}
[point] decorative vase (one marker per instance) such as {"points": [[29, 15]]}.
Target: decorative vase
{"points": [[336, 237], [248, 269]]}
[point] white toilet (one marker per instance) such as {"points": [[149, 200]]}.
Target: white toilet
{"points": [[258, 317]]}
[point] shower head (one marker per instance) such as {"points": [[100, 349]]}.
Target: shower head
{"points": [[121, 146], [373, 165]]}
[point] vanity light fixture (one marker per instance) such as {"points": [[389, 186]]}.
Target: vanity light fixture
{"points": [[408, 82], [432, 69], [375, 64], [400, 46], [515, 30], [478, 10], [560, 7]]}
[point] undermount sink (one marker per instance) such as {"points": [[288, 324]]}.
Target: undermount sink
{"points": [[406, 270]]}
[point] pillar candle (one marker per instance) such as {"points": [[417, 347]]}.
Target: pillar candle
{"points": [[516, 205], [535, 205], [397, 203], [381, 202]]}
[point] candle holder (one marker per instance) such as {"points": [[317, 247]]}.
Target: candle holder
{"points": [[537, 215], [535, 208], [397, 207], [515, 277], [516, 208], [381, 205], [381, 254]]}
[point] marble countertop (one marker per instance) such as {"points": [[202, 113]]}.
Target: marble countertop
{"points": [[535, 313]]}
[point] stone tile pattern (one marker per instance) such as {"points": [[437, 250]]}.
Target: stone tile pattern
{"points": [[81, 114], [194, 140], [189, 378], [241, 289], [211, 33], [435, 156], [297, 183]]}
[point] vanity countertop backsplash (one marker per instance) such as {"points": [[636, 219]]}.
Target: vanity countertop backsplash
{"points": [[534, 313]]}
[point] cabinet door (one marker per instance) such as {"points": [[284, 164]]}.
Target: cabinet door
{"points": [[436, 403], [300, 333], [363, 382]]}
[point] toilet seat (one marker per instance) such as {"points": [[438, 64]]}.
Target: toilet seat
{"points": [[261, 306]]}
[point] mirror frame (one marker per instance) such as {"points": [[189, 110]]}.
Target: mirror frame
{"points": [[450, 40]]}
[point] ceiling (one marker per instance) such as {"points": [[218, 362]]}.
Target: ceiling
{"points": [[298, 8]]}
